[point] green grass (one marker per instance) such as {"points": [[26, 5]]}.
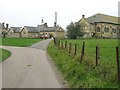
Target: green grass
{"points": [[87, 74], [5, 54], [21, 42]]}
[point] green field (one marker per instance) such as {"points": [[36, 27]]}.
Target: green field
{"points": [[21, 42], [87, 74], [4, 54], [107, 47]]}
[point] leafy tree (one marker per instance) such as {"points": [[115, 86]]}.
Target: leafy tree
{"points": [[74, 31]]}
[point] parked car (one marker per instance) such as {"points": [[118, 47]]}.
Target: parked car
{"points": [[44, 36]]}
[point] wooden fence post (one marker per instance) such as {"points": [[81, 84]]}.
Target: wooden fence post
{"points": [[61, 45], [54, 40], [75, 48], [69, 48], [118, 63], [97, 54], [82, 53], [65, 44]]}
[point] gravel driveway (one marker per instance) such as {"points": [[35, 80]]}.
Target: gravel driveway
{"points": [[29, 67]]}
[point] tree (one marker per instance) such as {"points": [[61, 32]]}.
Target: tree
{"points": [[74, 31]]}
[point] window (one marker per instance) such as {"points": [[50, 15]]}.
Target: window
{"points": [[98, 29], [106, 29], [10, 32], [24, 33], [114, 30]]}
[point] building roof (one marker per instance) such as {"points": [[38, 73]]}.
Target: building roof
{"points": [[31, 29], [40, 27], [16, 29], [102, 18], [48, 29], [43, 28]]}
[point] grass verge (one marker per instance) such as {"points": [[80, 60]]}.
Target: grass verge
{"points": [[4, 54], [81, 75]]}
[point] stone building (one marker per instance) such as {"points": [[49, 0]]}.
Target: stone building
{"points": [[14, 32], [55, 31], [0, 30], [3, 29], [29, 31], [33, 32], [99, 25]]}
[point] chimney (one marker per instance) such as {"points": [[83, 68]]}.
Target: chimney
{"points": [[45, 25], [55, 24], [83, 16], [42, 21], [7, 26], [3, 25], [56, 17]]}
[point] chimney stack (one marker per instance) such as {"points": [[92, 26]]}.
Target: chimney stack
{"points": [[55, 18], [42, 21], [45, 25], [55, 24], [3, 25], [83, 16], [7, 26]]}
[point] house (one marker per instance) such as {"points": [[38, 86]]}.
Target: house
{"points": [[0, 30], [55, 31], [3, 29], [30, 32], [14, 32], [99, 25]]}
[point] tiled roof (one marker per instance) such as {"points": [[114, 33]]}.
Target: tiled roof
{"points": [[102, 18], [16, 29], [31, 29], [50, 29], [42, 28]]}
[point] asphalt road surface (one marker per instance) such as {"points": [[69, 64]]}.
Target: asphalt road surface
{"points": [[29, 67]]}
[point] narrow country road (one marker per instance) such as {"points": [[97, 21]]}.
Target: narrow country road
{"points": [[29, 67]]}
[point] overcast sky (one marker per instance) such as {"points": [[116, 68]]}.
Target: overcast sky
{"points": [[31, 12]]}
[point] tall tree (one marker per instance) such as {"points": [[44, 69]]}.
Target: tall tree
{"points": [[74, 31]]}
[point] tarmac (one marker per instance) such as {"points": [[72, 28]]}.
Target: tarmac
{"points": [[30, 67]]}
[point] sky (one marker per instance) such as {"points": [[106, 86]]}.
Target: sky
{"points": [[19, 13]]}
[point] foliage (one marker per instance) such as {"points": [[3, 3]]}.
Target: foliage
{"points": [[5, 54], [74, 31], [22, 42]]}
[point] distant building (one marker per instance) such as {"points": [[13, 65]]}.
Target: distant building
{"points": [[3, 29], [55, 31], [99, 25], [14, 32], [32, 32], [0, 30]]}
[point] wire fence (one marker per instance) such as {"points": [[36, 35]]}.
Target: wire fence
{"points": [[105, 57]]}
